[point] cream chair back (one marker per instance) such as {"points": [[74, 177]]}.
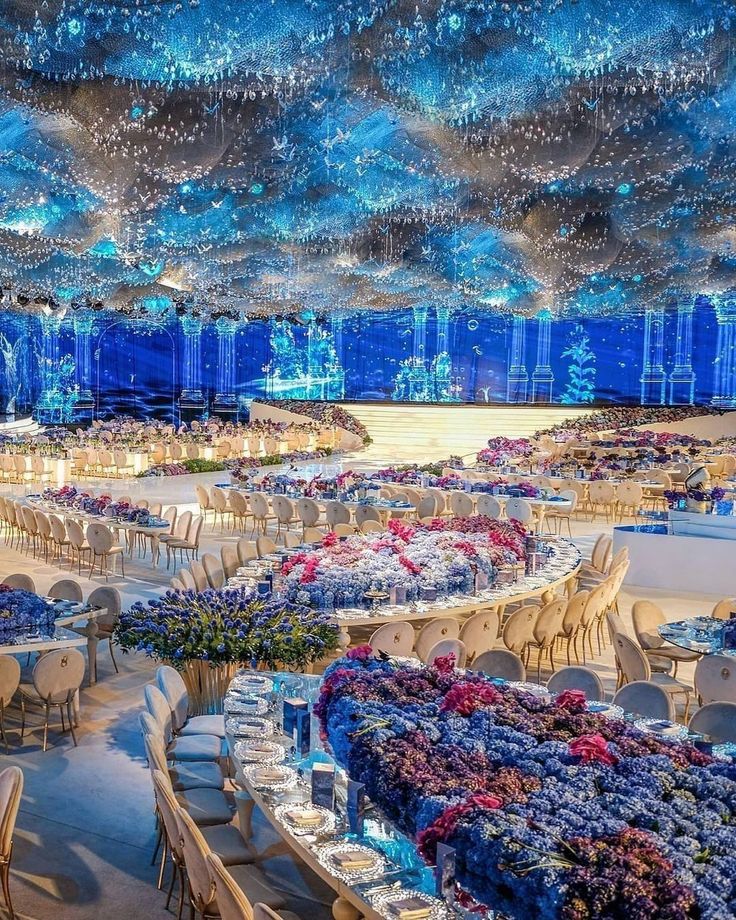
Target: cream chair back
{"points": [[308, 511], [500, 662], [449, 647], [75, 533], [488, 505], [344, 530], [518, 631], [21, 582], [203, 498], [433, 632], [427, 507], [265, 546], [573, 617], [632, 661], [195, 851], [219, 500], [66, 589], [519, 509], [213, 570], [187, 579], [371, 526], [9, 678], [575, 677], [247, 550], [171, 684], [480, 632], [58, 674], [194, 531], [110, 599], [630, 494], [229, 559], [283, 508], [100, 538], [199, 575], [259, 505], [337, 513], [11, 790], [158, 707], [461, 504], [231, 900], [393, 639], [715, 679], [238, 503], [645, 699], [601, 554], [181, 528], [549, 622], [646, 617], [167, 806], [291, 540], [313, 535], [366, 513], [717, 721], [724, 608]]}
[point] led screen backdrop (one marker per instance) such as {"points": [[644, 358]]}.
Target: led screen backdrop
{"points": [[62, 363]]}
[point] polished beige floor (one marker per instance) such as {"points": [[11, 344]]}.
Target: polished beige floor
{"points": [[85, 829]]}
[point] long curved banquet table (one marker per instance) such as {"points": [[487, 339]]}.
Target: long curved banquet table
{"points": [[563, 566], [399, 870], [256, 740]]}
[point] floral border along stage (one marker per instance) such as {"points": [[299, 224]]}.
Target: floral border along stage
{"points": [[444, 555], [554, 812]]}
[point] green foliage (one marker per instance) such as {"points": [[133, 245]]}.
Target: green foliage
{"points": [[581, 370], [203, 466]]}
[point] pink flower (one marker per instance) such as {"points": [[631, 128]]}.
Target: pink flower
{"points": [[572, 701], [445, 664], [465, 697], [360, 653], [592, 749], [330, 539], [409, 565]]}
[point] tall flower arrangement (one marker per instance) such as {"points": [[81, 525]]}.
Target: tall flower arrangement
{"points": [[554, 812]]}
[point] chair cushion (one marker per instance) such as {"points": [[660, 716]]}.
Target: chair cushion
{"points": [[669, 684], [203, 775], [227, 842], [256, 887], [205, 725], [206, 806], [30, 693], [195, 747], [678, 654]]}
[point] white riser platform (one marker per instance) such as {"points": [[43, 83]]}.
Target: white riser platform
{"points": [[25, 425], [404, 432]]}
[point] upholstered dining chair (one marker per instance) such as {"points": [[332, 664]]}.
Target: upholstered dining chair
{"points": [[488, 506], [247, 551], [647, 700], [715, 679], [220, 505], [187, 545], [308, 512], [647, 617], [231, 900], [480, 632], [635, 667], [187, 579], [724, 608], [229, 559], [292, 540], [264, 912], [433, 632], [103, 547], [182, 748], [572, 621], [367, 513], [20, 582], [519, 509], [11, 791], [577, 678], [172, 685], [238, 509], [265, 546], [261, 512], [461, 504], [370, 526], [56, 679], [500, 662], [336, 513], [446, 647], [9, 683], [202, 894], [518, 630], [547, 629], [717, 721], [104, 626], [214, 571], [393, 639], [66, 589], [344, 530], [184, 776]]}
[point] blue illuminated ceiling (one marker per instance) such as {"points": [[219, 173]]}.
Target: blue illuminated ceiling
{"points": [[312, 154]]}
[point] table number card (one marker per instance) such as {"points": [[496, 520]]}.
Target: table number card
{"points": [[323, 785], [292, 707], [356, 807], [303, 732]]}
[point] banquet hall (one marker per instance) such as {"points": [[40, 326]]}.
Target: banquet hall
{"points": [[367, 459]]}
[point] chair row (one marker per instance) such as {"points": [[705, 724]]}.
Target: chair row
{"points": [[202, 849]]}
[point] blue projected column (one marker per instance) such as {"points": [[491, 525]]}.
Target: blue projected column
{"points": [[192, 396], [724, 385], [543, 378], [443, 329], [653, 377], [682, 377], [337, 384], [225, 401], [50, 326], [517, 381], [83, 328]]}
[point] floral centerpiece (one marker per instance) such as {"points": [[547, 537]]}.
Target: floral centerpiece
{"points": [[443, 556], [502, 449], [22, 611], [553, 812], [208, 635], [613, 418]]}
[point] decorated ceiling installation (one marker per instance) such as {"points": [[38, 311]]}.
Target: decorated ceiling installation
{"points": [[314, 155]]}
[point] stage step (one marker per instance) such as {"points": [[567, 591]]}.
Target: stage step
{"points": [[401, 432], [27, 425]]}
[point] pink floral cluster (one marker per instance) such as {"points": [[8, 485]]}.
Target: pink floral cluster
{"points": [[500, 449]]}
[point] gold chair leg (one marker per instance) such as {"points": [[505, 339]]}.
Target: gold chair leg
{"points": [[5, 876]]}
